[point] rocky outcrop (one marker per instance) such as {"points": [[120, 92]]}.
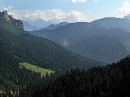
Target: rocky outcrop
{"points": [[17, 23], [5, 15]]}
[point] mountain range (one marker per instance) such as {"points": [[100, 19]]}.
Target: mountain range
{"points": [[106, 39], [42, 52], [29, 27], [108, 44], [18, 46], [54, 26], [112, 22]]}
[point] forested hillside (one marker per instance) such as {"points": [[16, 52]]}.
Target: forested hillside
{"points": [[64, 48], [18, 46], [109, 81], [13, 78], [39, 51]]}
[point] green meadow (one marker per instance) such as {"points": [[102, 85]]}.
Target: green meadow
{"points": [[36, 69]]}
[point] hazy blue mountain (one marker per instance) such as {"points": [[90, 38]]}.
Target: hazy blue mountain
{"points": [[90, 39], [127, 17], [112, 22], [39, 23], [29, 27], [54, 26]]}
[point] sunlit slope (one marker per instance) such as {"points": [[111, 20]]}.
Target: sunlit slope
{"points": [[36, 69]]}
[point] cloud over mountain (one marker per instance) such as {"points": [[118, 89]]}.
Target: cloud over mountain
{"points": [[81, 1], [75, 1], [125, 7], [53, 15]]}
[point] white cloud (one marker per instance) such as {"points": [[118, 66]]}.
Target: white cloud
{"points": [[77, 1], [77, 15], [53, 15], [81, 1], [96, 0], [125, 7]]}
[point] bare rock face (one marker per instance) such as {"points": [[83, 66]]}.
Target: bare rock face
{"points": [[127, 44], [17, 23], [5, 15]]}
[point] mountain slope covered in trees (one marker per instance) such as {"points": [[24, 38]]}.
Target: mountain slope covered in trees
{"points": [[18, 46], [109, 81], [13, 78], [39, 51]]}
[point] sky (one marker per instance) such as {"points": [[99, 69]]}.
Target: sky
{"points": [[65, 10]]}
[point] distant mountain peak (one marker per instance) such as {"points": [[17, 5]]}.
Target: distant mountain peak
{"points": [[127, 17], [54, 26]]}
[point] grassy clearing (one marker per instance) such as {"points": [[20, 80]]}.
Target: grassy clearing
{"points": [[36, 68]]}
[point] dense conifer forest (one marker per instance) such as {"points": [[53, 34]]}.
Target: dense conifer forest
{"points": [[109, 81]]}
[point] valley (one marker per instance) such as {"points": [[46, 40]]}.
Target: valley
{"points": [[46, 51], [18, 47]]}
